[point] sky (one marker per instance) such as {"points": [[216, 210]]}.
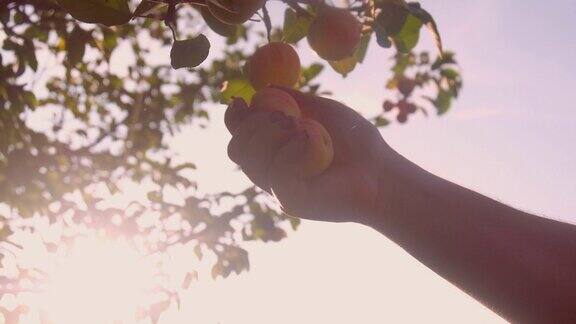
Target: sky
{"points": [[510, 136]]}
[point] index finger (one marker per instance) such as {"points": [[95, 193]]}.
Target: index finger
{"points": [[328, 112], [351, 133]]}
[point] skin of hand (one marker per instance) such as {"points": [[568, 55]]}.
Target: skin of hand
{"points": [[346, 191]]}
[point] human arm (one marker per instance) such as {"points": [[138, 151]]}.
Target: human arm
{"points": [[520, 265]]}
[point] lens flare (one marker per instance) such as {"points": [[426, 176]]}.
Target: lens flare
{"points": [[99, 281]]}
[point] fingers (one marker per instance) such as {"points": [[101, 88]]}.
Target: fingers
{"points": [[263, 145], [237, 111], [243, 133], [352, 134], [256, 141], [284, 153]]}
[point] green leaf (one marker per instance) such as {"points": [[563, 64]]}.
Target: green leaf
{"points": [[450, 74], [218, 26], [30, 99], [109, 41], [295, 26], [76, 46], [189, 53], [380, 121], [362, 48], [427, 20], [106, 12], [30, 54], [408, 36], [294, 222], [443, 101], [240, 88], [149, 7], [344, 66], [312, 71], [446, 58]]}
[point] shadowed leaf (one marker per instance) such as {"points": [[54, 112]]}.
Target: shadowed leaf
{"points": [[216, 25], [189, 53], [427, 20], [149, 7], [344, 66], [106, 12], [295, 26]]}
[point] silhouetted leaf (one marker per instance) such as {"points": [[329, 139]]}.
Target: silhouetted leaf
{"points": [[382, 37], [76, 46], [391, 18], [189, 53], [149, 7], [427, 20], [106, 12], [216, 25]]}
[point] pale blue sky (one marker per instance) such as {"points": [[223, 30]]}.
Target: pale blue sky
{"points": [[510, 136]]}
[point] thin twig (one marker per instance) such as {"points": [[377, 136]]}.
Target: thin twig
{"points": [[267, 22]]}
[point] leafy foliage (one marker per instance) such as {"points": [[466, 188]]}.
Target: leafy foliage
{"points": [[109, 123]]}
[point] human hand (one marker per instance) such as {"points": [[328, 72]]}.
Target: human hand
{"points": [[346, 191]]}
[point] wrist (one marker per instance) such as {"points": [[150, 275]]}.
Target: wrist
{"points": [[405, 195]]}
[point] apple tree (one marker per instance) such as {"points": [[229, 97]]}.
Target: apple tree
{"points": [[89, 71]]}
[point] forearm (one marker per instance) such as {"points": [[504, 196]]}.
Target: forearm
{"points": [[520, 265]]}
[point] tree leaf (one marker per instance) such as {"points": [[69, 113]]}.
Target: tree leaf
{"points": [[362, 48], [344, 66], [408, 36], [380, 121], [189, 53], [391, 18], [218, 26], [76, 46], [442, 101], [295, 26], [149, 7], [312, 71], [446, 58], [389, 21], [30, 54], [106, 12], [237, 88], [427, 20], [382, 37]]}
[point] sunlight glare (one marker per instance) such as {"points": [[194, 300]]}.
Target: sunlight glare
{"points": [[99, 281]]}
